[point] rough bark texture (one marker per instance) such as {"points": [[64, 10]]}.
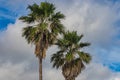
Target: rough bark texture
{"points": [[37, 49], [40, 68], [70, 70], [71, 79]]}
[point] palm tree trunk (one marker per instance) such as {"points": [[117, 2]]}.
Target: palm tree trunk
{"points": [[70, 79], [40, 68], [73, 79]]}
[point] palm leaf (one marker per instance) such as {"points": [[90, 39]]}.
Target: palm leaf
{"points": [[84, 57], [57, 59], [81, 45]]}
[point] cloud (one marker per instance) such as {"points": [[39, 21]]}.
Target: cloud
{"points": [[12, 45], [96, 22], [9, 71], [98, 72], [17, 58]]}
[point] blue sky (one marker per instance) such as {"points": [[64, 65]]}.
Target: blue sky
{"points": [[98, 20], [6, 17]]}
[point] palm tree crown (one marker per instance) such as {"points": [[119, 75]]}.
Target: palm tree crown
{"points": [[70, 57], [46, 25]]}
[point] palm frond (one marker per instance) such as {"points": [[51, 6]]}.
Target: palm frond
{"points": [[33, 8], [72, 37], [29, 33], [57, 17], [57, 28], [69, 57], [28, 19], [84, 56], [81, 45], [57, 59], [48, 8], [62, 44]]}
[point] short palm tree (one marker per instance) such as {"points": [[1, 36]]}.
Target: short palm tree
{"points": [[70, 57], [45, 26]]}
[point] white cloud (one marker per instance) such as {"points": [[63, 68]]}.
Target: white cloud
{"points": [[117, 78], [9, 71], [95, 21], [98, 72], [17, 58], [12, 45]]}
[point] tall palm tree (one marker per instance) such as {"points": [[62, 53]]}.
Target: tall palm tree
{"points": [[70, 57], [45, 26]]}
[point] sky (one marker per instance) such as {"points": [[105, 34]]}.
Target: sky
{"points": [[98, 20]]}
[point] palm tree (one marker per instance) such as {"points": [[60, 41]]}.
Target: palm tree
{"points": [[45, 26], [70, 57]]}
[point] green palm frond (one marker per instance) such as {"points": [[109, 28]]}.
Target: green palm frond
{"points": [[34, 11], [28, 19], [48, 8], [29, 33], [84, 56], [42, 26], [72, 37], [69, 57], [33, 7], [57, 59], [56, 17], [62, 44], [81, 45], [57, 28]]}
